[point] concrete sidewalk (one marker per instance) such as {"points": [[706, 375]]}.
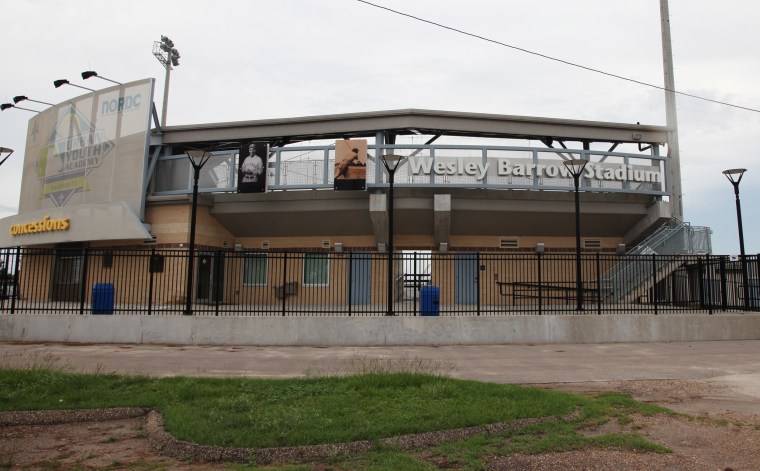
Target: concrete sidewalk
{"points": [[735, 363]]}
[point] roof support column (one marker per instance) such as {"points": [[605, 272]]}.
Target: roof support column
{"points": [[378, 215], [442, 219]]}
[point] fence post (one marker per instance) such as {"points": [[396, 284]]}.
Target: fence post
{"points": [[284, 280], [83, 289], [701, 284], [16, 290], [598, 285], [654, 282], [350, 277], [477, 280], [710, 299], [540, 291], [217, 277], [151, 261], [417, 286]]}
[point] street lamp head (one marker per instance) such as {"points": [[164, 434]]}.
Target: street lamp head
{"points": [[575, 166], [734, 175], [391, 162], [198, 157], [6, 106], [196, 154]]}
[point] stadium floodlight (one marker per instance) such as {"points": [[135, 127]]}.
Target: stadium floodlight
{"points": [[20, 98], [168, 56], [7, 106], [91, 73], [59, 83]]}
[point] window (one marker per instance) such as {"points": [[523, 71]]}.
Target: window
{"points": [[316, 269], [255, 269]]}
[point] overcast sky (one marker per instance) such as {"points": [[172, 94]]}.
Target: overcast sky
{"points": [[258, 59]]}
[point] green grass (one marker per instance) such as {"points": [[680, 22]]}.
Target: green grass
{"points": [[262, 413], [380, 402]]}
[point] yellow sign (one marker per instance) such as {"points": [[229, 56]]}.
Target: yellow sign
{"points": [[46, 225]]}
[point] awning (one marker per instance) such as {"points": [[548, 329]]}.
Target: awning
{"points": [[80, 223]]}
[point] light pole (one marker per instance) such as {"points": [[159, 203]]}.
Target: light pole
{"points": [[391, 164], [198, 159], [5, 150], [735, 175], [576, 166], [168, 56], [91, 73]]}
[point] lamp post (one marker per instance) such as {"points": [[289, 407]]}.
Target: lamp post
{"points": [[60, 82], [735, 175], [91, 73], [5, 150], [198, 158], [168, 56], [391, 164], [576, 166]]}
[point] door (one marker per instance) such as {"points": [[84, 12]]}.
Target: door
{"points": [[361, 278], [67, 274], [210, 278], [466, 278]]}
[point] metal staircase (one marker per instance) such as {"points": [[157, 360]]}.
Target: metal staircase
{"points": [[637, 267]]}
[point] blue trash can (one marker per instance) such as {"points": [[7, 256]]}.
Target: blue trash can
{"points": [[102, 298], [429, 300]]}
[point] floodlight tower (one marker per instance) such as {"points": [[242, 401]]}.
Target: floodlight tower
{"points": [[168, 56]]}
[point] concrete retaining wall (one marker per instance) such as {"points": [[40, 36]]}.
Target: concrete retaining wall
{"points": [[368, 331]]}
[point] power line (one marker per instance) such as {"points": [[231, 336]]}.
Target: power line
{"points": [[555, 59]]}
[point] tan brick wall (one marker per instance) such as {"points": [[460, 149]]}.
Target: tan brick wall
{"points": [[170, 224]]}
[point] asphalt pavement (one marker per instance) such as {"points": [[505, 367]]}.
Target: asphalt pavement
{"points": [[734, 363]]}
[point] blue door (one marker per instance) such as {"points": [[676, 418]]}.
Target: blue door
{"points": [[466, 278], [361, 277]]}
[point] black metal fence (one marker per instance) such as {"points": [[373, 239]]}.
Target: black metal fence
{"points": [[227, 282]]}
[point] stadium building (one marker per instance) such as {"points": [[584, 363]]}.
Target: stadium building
{"points": [[98, 175]]}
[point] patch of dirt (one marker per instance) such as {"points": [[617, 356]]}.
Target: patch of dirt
{"points": [[696, 444], [725, 434], [108, 444]]}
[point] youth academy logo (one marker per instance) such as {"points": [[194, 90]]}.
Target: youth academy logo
{"points": [[74, 149]]}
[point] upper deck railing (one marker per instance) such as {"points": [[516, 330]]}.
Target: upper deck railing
{"points": [[432, 166]]}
